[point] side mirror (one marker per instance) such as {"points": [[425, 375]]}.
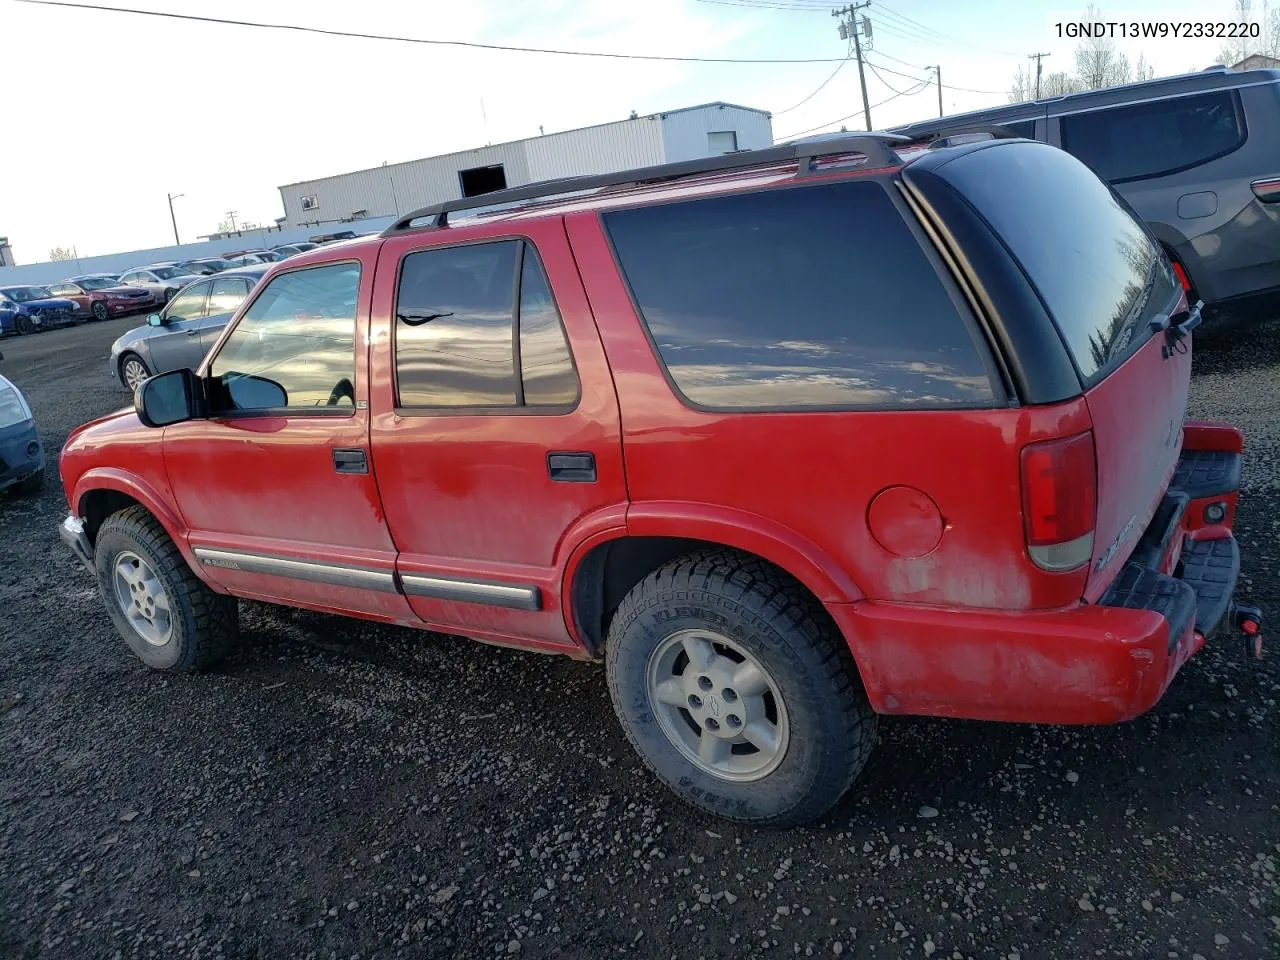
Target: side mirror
{"points": [[155, 320], [247, 392], [168, 398]]}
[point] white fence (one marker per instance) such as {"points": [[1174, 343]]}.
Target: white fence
{"points": [[56, 271]]}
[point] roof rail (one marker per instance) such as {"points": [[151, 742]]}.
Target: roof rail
{"points": [[876, 147]]}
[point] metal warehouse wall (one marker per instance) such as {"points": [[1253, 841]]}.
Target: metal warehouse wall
{"points": [[46, 273], [603, 149], [684, 132], [635, 142]]}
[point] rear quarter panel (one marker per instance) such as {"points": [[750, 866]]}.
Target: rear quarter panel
{"points": [[805, 480]]}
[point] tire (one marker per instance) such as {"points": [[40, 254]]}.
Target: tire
{"points": [[32, 484], [101, 311], [23, 326], [168, 294], [193, 629], [132, 365], [822, 724]]}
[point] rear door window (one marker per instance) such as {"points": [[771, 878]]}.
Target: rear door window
{"points": [[1157, 138], [808, 297], [1094, 265]]}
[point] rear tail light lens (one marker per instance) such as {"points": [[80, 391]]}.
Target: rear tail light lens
{"points": [[1182, 276], [1268, 191], [1059, 501]]}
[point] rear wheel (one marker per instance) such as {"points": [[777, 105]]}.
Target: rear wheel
{"points": [[100, 311], [166, 614], [24, 325], [737, 691], [133, 371], [168, 294]]}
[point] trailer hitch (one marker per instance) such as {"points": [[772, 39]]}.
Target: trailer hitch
{"points": [[1248, 620]]}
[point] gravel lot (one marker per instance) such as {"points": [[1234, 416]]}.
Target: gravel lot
{"points": [[345, 790]]}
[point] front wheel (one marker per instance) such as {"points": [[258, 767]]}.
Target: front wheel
{"points": [[737, 691], [100, 311], [168, 294], [166, 614], [24, 325], [133, 371]]}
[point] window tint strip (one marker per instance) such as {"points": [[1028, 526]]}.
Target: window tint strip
{"points": [[517, 370]]}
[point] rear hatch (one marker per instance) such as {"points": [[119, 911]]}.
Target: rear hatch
{"points": [[1107, 287]]}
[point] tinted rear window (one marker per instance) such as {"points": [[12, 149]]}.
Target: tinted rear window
{"points": [[1151, 139], [816, 296], [1090, 260]]}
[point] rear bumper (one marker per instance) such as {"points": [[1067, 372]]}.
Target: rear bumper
{"points": [[1087, 664]]}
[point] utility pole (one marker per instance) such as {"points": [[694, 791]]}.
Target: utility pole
{"points": [[1037, 57], [938, 72], [850, 28], [173, 197], [231, 215]]}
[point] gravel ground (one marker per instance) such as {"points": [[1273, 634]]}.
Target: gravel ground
{"points": [[344, 790]]}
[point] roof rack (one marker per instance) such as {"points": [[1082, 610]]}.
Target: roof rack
{"points": [[876, 147]]}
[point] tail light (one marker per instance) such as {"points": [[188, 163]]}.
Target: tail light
{"points": [[1182, 276], [1268, 191], [1059, 501]]}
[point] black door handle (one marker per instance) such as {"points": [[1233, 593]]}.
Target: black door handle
{"points": [[350, 460], [572, 467]]}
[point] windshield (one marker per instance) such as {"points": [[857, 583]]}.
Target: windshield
{"points": [[167, 273], [1094, 265], [26, 294], [95, 283]]}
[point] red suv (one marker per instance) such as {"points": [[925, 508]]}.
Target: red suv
{"points": [[788, 439]]}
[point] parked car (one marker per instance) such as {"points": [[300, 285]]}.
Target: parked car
{"points": [[286, 250], [206, 266], [788, 438], [189, 325], [1197, 156], [102, 298], [323, 238], [28, 309], [264, 256], [249, 260], [162, 279], [21, 452]]}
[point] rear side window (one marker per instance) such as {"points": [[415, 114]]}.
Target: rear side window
{"points": [[1023, 128], [1093, 264], [477, 326], [816, 296], [1153, 139]]}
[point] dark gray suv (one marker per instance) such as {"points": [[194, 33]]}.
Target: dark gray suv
{"points": [[1197, 156]]}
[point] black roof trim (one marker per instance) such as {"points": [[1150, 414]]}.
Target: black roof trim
{"points": [[876, 147]]}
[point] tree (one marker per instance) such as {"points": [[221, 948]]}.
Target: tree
{"points": [[61, 253], [1024, 85], [1266, 43], [1143, 70], [1099, 62], [1059, 84]]}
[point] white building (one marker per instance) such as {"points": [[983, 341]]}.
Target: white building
{"points": [[639, 141]]}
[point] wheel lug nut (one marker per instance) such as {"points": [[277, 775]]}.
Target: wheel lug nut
{"points": [[713, 723], [705, 683], [734, 720], [730, 694], [695, 701]]}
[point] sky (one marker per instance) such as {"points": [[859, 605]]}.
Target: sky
{"points": [[107, 113]]}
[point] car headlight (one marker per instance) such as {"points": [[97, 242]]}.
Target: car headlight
{"points": [[13, 407]]}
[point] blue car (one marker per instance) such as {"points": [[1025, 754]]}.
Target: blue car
{"points": [[28, 309], [21, 452]]}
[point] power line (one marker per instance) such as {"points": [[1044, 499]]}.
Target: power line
{"points": [[838, 68], [899, 73], [882, 79], [923, 28], [856, 113], [298, 28]]}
